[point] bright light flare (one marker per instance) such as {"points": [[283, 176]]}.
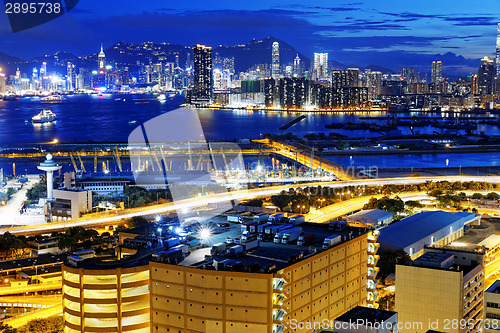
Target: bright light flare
{"points": [[205, 234]]}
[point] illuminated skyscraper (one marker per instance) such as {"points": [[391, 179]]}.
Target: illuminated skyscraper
{"points": [[101, 58], [436, 72], [498, 51], [296, 67], [202, 92], [486, 76], [320, 65], [275, 70], [71, 83]]}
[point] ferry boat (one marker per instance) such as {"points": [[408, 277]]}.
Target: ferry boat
{"points": [[45, 116], [53, 98]]}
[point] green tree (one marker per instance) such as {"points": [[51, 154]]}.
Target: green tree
{"points": [[394, 206], [137, 221], [4, 328], [477, 196], [281, 201], [36, 192], [492, 196], [44, 325], [389, 259]]}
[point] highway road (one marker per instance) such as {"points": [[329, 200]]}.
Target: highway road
{"points": [[195, 202]]}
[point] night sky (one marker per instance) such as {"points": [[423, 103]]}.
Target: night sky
{"points": [[390, 33]]}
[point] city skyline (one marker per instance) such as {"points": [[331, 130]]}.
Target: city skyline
{"points": [[352, 33]]}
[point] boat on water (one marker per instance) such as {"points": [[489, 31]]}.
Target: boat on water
{"points": [[162, 97], [45, 116], [132, 122], [53, 98]]}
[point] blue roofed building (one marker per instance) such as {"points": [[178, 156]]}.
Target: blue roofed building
{"points": [[369, 218], [437, 228]]}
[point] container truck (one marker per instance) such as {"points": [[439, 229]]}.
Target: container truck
{"points": [[236, 250], [291, 235], [184, 248], [281, 231], [331, 241], [297, 219], [254, 228], [306, 239], [341, 225], [246, 226], [262, 227], [234, 218], [218, 248], [274, 229], [276, 218], [261, 217], [250, 245], [171, 242]]}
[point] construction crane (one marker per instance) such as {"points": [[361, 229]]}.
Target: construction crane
{"points": [[118, 159], [81, 162], [163, 158], [224, 158], [199, 161], [73, 162]]}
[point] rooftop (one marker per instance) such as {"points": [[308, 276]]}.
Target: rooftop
{"points": [[43, 259], [268, 253], [376, 214], [494, 288], [418, 226], [368, 315]]}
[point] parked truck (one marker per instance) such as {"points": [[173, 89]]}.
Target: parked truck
{"points": [[297, 219], [184, 248], [341, 225], [254, 228], [250, 245], [171, 242], [234, 218], [218, 249], [331, 241], [276, 218], [305, 240], [262, 227], [291, 235], [261, 217], [274, 229], [246, 226], [236, 250]]}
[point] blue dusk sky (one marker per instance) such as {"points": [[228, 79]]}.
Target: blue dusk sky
{"points": [[391, 33]]}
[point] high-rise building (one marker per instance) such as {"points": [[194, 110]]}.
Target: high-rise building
{"points": [[320, 66], [297, 71], [293, 92], [442, 286], [71, 76], [436, 72], [348, 78], [498, 52], [474, 84], [101, 59], [2, 83], [275, 61], [203, 76], [373, 81], [492, 308], [486, 76]]}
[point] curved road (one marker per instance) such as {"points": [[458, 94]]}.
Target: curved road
{"points": [[190, 203]]}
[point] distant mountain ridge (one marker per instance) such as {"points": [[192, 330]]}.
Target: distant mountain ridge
{"points": [[245, 56]]}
